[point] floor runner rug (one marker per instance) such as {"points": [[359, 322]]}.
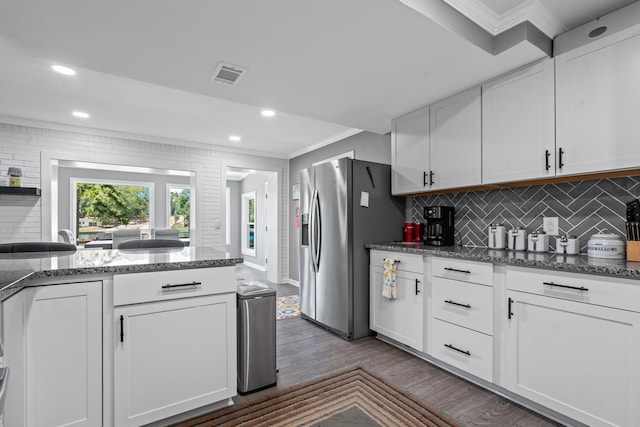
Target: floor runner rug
{"points": [[287, 307], [352, 397]]}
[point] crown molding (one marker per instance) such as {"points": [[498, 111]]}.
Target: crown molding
{"points": [[527, 10]]}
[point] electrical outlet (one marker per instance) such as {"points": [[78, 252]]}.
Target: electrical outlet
{"points": [[550, 225]]}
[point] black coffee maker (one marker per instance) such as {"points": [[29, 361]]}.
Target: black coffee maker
{"points": [[439, 229]]}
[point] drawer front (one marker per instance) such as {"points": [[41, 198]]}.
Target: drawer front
{"points": [[406, 262], [463, 348], [465, 304], [599, 290], [135, 288], [465, 271]]}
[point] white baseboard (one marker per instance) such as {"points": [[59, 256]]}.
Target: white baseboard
{"points": [[291, 282], [255, 266]]}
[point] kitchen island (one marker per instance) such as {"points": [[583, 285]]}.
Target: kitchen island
{"points": [[117, 337]]}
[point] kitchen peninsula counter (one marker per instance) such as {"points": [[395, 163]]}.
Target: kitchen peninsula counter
{"points": [[20, 270], [544, 260]]}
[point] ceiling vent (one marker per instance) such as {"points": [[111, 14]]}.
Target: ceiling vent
{"points": [[228, 74]]}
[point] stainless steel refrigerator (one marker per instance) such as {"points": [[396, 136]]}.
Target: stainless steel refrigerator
{"points": [[345, 204]]}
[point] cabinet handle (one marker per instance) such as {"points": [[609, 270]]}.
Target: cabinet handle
{"points": [[577, 288], [121, 328], [467, 352], [510, 314], [424, 179], [417, 290], [560, 162], [457, 303], [394, 261], [169, 287], [547, 154], [457, 271], [431, 181]]}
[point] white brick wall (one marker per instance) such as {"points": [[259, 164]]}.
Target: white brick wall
{"points": [[22, 146]]}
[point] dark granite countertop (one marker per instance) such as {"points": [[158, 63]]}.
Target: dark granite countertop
{"points": [[547, 260], [19, 270]]}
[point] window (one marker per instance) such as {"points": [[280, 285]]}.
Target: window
{"points": [[99, 207], [228, 217], [179, 208], [249, 223]]}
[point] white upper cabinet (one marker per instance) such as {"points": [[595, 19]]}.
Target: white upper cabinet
{"points": [[518, 125], [410, 152], [456, 141], [598, 105]]}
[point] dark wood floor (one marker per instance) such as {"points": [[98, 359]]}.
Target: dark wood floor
{"points": [[306, 351]]}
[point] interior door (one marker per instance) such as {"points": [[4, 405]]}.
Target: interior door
{"points": [[332, 281]]}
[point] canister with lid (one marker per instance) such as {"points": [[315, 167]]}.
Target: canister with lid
{"points": [[567, 244], [538, 241], [517, 239], [606, 245], [497, 236]]}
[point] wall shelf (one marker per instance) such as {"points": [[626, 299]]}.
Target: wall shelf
{"points": [[20, 191]]}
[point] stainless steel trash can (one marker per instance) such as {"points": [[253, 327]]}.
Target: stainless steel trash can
{"points": [[256, 337]]}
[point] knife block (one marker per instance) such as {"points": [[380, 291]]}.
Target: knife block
{"points": [[633, 250]]}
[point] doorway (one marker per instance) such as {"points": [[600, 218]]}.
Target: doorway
{"points": [[252, 220]]}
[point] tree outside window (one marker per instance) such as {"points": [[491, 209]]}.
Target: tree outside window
{"points": [[180, 210], [101, 208]]}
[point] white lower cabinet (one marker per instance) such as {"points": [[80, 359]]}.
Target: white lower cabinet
{"points": [[171, 357], [53, 346], [573, 357], [402, 318]]}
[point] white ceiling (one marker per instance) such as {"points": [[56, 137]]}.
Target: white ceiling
{"points": [[329, 68]]}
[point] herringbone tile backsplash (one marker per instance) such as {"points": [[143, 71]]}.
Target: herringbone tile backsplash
{"points": [[583, 208]]}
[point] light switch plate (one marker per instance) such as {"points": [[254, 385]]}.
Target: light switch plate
{"points": [[550, 225]]}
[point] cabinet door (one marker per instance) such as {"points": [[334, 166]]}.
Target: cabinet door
{"points": [[578, 359], [456, 141], [410, 152], [60, 379], [598, 99], [402, 318], [173, 356], [518, 125]]}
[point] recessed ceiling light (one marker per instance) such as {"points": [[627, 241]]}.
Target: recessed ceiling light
{"points": [[63, 70], [268, 113], [234, 138], [81, 114]]}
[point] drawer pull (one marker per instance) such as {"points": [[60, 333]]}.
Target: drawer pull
{"points": [[121, 328], [467, 352], [457, 271], [395, 261], [169, 287], [457, 303], [577, 288]]}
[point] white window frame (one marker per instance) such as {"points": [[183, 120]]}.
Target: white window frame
{"points": [[74, 181], [167, 211], [244, 215]]}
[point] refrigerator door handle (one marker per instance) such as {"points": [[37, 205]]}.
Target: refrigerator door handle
{"points": [[312, 230], [318, 242]]}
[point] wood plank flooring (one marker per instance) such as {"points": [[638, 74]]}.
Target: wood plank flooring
{"points": [[306, 351]]}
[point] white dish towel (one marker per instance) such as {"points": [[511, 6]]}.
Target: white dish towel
{"points": [[389, 279]]}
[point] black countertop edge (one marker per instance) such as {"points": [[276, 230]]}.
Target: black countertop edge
{"points": [[547, 260]]}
